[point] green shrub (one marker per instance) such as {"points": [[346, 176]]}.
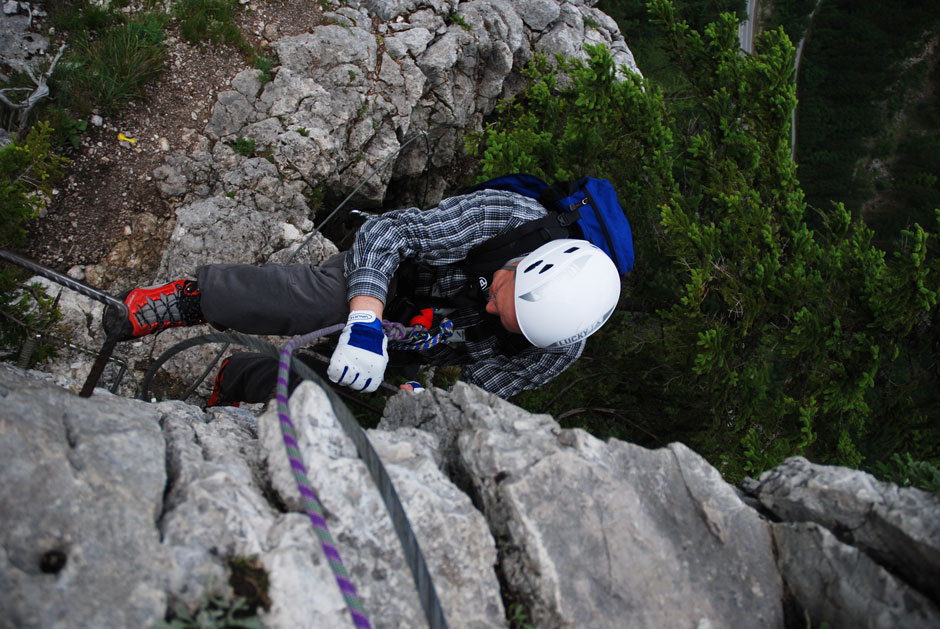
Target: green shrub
{"points": [[266, 65], [244, 146], [27, 170], [456, 18], [753, 327], [908, 472], [214, 21], [518, 617], [250, 584], [27, 315], [81, 16], [214, 612]]}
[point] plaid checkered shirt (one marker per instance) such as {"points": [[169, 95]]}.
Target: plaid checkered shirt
{"points": [[439, 240]]}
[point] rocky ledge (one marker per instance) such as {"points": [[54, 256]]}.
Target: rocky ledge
{"points": [[114, 511]]}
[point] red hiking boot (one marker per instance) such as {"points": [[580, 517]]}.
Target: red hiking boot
{"points": [[155, 308], [217, 399]]}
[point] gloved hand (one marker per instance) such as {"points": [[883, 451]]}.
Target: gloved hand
{"points": [[417, 387], [361, 356]]}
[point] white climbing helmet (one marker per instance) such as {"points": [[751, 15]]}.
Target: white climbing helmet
{"points": [[565, 291]]}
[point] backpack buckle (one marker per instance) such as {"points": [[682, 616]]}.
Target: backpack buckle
{"points": [[574, 206], [569, 218]]}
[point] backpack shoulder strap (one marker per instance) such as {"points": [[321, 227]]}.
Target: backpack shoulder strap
{"points": [[488, 257]]}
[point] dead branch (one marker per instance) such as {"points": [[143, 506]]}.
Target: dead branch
{"points": [[606, 411], [41, 91]]}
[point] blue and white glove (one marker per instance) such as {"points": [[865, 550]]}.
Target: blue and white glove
{"points": [[417, 387], [361, 356]]}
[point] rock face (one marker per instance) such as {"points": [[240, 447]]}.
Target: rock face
{"points": [[604, 534], [843, 522], [112, 511], [19, 44], [342, 105]]}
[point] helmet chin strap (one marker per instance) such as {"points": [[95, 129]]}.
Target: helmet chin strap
{"points": [[512, 264]]}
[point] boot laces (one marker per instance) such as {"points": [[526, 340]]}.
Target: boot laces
{"points": [[164, 310]]}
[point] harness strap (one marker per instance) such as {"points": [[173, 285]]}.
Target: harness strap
{"points": [[488, 257]]}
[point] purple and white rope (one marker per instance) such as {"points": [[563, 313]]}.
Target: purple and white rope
{"points": [[311, 502]]}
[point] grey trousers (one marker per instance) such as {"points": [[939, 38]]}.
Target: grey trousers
{"points": [[285, 300]]}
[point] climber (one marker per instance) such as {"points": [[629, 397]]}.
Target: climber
{"points": [[525, 324]]}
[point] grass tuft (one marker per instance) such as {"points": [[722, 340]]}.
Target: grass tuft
{"points": [[105, 71]]}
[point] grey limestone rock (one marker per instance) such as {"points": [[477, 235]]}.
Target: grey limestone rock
{"points": [[838, 584], [900, 528], [231, 112], [603, 534], [346, 95], [113, 510], [453, 535], [538, 14], [82, 489]]}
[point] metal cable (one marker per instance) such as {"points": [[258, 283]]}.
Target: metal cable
{"points": [[64, 280]]}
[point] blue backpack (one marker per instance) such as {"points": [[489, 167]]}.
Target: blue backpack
{"points": [[587, 209]]}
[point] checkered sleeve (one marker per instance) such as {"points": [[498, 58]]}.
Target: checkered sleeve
{"points": [[440, 236], [506, 376]]}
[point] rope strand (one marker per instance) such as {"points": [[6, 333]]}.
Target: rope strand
{"points": [[311, 502]]}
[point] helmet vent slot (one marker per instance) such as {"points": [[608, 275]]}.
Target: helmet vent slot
{"points": [[532, 266], [545, 268], [571, 249]]}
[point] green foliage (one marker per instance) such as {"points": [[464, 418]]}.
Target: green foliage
{"points": [[244, 146], [865, 93], [214, 612], [745, 331], [107, 68], [647, 40], [266, 65], [518, 617], [250, 583], [214, 21], [25, 312], [68, 130], [905, 471], [81, 16], [633, 17], [791, 15], [456, 18], [27, 171]]}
